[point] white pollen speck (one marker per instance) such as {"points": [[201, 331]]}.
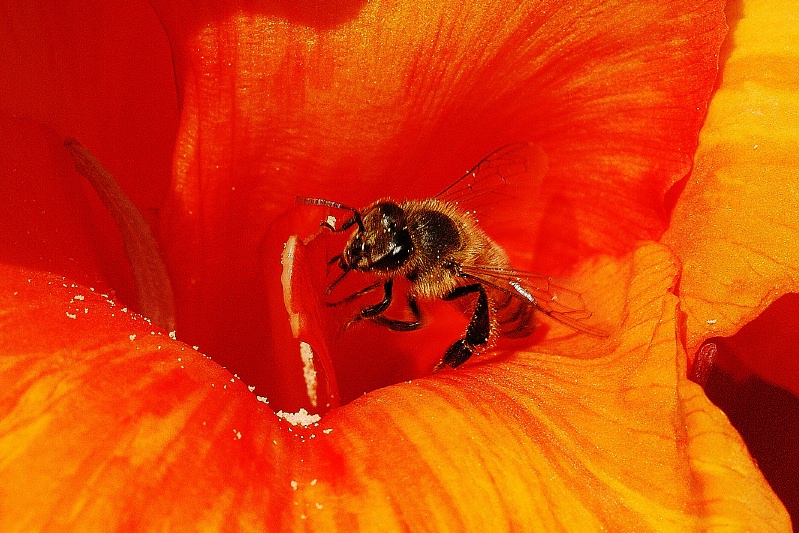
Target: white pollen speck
{"points": [[327, 431], [79, 297], [70, 315], [173, 335], [308, 371], [196, 348], [124, 309], [301, 417], [237, 433], [318, 505], [712, 321], [313, 481], [132, 337], [251, 388], [233, 380], [294, 484], [262, 399]]}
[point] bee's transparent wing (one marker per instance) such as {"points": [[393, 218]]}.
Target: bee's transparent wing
{"points": [[511, 173], [556, 301]]}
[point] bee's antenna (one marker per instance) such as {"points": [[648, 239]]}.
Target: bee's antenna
{"points": [[335, 205]]}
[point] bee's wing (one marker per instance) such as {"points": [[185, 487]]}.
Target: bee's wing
{"points": [[562, 304], [510, 174]]}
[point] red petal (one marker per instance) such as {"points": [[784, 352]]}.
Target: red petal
{"points": [[102, 74]]}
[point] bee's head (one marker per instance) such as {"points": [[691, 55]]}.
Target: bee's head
{"points": [[382, 241]]}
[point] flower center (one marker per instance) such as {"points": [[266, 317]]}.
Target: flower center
{"points": [[324, 354]]}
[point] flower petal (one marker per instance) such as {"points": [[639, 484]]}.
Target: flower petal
{"points": [[541, 441], [44, 217], [735, 225], [106, 422], [400, 98], [101, 73]]}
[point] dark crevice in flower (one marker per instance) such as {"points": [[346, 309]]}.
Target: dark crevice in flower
{"points": [[767, 417], [766, 346], [153, 288]]}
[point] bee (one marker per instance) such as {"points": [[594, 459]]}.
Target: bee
{"points": [[440, 248]]}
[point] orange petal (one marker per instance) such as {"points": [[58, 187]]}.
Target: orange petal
{"points": [[400, 98], [105, 422], [735, 225], [542, 440]]}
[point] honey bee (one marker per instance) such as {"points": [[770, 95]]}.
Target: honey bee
{"points": [[439, 247]]}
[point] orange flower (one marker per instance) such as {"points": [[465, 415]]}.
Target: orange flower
{"points": [[107, 420]]}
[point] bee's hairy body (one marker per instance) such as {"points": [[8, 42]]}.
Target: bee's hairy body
{"points": [[433, 244]]}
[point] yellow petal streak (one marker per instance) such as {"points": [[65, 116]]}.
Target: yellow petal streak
{"points": [[736, 224]]}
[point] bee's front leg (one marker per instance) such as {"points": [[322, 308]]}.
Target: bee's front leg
{"points": [[354, 295], [374, 310], [401, 325]]}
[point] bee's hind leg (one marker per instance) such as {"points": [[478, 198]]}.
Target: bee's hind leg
{"points": [[477, 332]]}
